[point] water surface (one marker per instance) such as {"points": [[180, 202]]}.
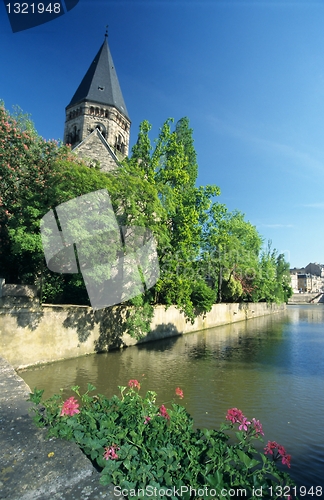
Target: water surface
{"points": [[271, 368]]}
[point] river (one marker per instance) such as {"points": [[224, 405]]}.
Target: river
{"points": [[271, 368]]}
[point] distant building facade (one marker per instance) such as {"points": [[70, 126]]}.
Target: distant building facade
{"points": [[309, 279], [97, 124]]}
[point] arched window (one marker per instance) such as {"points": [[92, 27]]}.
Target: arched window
{"points": [[73, 135], [102, 129], [119, 144], [91, 110]]}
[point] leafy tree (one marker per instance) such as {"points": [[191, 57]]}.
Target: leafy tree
{"points": [[36, 175], [172, 167], [284, 288], [231, 250], [272, 283]]}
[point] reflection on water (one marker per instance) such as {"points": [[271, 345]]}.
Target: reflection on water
{"points": [[272, 368]]}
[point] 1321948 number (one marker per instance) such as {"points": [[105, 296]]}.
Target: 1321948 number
{"points": [[33, 8], [300, 490]]}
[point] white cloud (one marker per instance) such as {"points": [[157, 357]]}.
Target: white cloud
{"points": [[314, 205]]}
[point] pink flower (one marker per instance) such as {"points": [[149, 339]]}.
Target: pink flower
{"points": [[110, 452], [134, 383], [234, 415], [244, 424], [70, 407], [164, 413], [286, 460], [257, 427], [272, 445], [281, 450], [146, 420], [179, 392]]}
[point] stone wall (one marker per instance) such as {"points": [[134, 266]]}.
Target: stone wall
{"points": [[30, 334], [306, 298], [27, 291], [93, 149]]}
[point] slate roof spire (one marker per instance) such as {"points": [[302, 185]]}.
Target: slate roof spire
{"points": [[100, 83]]}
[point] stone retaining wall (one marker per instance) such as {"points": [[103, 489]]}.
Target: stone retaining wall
{"points": [[306, 298], [30, 334]]}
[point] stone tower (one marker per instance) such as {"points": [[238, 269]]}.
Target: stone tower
{"points": [[97, 123]]}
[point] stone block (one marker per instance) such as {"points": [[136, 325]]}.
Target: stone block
{"points": [[29, 291]]}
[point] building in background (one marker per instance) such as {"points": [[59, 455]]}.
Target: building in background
{"points": [[309, 279]]}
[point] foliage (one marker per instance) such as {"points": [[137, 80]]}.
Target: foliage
{"points": [[138, 445], [180, 206], [272, 282], [36, 175], [236, 265], [206, 253], [231, 248]]}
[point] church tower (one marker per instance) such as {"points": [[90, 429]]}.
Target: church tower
{"points": [[97, 123]]}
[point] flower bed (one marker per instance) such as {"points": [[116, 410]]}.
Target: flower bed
{"points": [[147, 450]]}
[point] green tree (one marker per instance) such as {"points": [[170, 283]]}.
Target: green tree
{"points": [[231, 252], [36, 175], [284, 288], [272, 283], [185, 205]]}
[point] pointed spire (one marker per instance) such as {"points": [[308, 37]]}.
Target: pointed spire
{"points": [[100, 83]]}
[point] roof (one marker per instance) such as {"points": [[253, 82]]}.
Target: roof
{"points": [[100, 83]]}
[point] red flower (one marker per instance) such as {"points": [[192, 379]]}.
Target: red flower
{"points": [[234, 415], [286, 460], [179, 392], [70, 407], [146, 420], [272, 445], [134, 383], [110, 452], [281, 450], [164, 413]]}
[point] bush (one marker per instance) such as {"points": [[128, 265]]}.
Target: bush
{"points": [[202, 297], [140, 446]]}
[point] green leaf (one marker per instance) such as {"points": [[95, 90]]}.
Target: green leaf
{"points": [[248, 462], [216, 480], [36, 396]]}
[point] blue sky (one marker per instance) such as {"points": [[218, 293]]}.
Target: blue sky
{"points": [[249, 76]]}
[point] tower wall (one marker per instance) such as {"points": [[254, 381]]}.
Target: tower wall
{"points": [[83, 118]]}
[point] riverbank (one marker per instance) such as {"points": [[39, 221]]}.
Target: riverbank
{"points": [[31, 334], [33, 467]]}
